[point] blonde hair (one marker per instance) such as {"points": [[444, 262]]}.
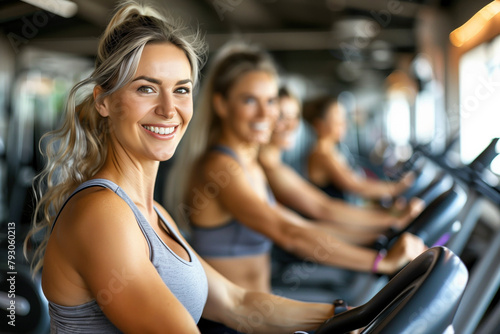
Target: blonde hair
{"points": [[78, 149], [233, 60]]}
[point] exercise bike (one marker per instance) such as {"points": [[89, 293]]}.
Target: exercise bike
{"points": [[422, 298]]}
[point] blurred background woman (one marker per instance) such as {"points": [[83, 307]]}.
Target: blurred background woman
{"points": [[222, 190], [295, 192], [327, 166]]}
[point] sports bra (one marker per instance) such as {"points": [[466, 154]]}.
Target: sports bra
{"points": [[233, 238], [186, 279], [333, 191]]}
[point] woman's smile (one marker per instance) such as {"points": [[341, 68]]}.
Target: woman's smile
{"points": [[161, 131]]}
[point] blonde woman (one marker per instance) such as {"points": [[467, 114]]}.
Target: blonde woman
{"points": [[113, 259]]}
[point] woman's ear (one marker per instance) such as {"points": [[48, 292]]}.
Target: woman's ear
{"points": [[100, 103], [220, 105]]}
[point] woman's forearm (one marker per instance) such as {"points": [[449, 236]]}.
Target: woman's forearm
{"points": [[259, 312], [340, 212], [372, 189], [315, 243], [351, 234]]}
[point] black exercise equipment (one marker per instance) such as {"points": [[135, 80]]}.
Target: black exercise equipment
{"points": [[437, 222], [435, 225], [474, 174], [422, 298], [477, 313], [425, 174]]}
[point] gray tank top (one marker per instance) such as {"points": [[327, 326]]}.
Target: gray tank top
{"points": [[186, 279]]}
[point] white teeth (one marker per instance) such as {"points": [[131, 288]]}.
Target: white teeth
{"points": [[158, 130], [260, 126]]}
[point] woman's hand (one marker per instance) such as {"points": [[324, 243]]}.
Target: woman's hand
{"points": [[406, 248], [404, 183], [414, 207]]}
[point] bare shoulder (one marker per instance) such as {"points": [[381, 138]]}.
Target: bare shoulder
{"points": [[217, 166], [92, 206], [97, 219], [100, 245], [315, 153], [321, 152], [317, 158], [323, 156]]}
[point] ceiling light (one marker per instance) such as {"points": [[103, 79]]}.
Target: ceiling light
{"points": [[474, 25], [64, 8]]}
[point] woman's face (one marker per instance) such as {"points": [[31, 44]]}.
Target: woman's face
{"points": [[335, 121], [251, 107], [287, 123], [149, 116]]}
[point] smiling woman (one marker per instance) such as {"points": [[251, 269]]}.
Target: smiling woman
{"points": [[156, 107], [113, 259]]}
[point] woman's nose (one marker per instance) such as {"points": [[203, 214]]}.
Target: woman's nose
{"points": [[166, 106]]}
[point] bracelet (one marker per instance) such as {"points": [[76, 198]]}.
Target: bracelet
{"points": [[380, 255], [339, 306]]}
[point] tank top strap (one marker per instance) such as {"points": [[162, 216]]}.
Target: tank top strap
{"points": [[117, 190], [173, 231], [229, 151], [87, 184], [226, 150], [186, 279]]}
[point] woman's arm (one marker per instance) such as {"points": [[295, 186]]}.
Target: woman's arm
{"points": [[353, 235], [299, 236], [345, 178], [101, 240], [259, 312], [293, 191], [256, 312]]}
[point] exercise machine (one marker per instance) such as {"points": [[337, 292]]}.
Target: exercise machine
{"points": [[422, 298]]}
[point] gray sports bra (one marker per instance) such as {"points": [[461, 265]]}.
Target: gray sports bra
{"points": [[186, 279], [233, 238]]}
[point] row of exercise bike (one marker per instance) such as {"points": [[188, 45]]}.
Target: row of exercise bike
{"points": [[451, 288], [447, 289]]}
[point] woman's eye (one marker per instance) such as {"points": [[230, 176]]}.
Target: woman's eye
{"points": [[249, 100], [183, 90], [146, 89]]}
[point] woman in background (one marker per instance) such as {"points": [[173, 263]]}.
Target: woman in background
{"points": [[222, 190], [328, 168], [293, 191]]}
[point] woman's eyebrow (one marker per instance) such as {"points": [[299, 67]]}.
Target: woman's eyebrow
{"points": [[185, 81], [152, 80], [159, 82]]}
